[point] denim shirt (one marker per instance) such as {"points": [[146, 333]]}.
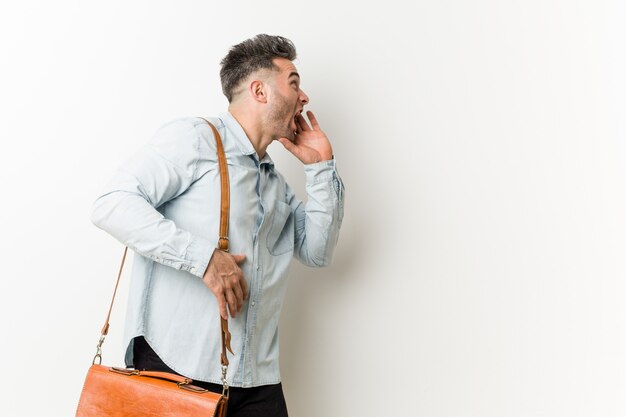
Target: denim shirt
{"points": [[163, 202]]}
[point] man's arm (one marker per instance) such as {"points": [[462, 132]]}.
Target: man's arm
{"points": [[160, 171], [318, 222]]}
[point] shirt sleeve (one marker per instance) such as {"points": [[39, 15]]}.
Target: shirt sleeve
{"points": [[159, 171], [317, 222]]}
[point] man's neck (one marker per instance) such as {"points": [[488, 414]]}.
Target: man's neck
{"points": [[253, 127]]}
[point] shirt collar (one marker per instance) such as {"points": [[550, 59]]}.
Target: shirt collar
{"points": [[241, 139]]}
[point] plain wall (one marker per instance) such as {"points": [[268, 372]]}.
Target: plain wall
{"points": [[480, 269]]}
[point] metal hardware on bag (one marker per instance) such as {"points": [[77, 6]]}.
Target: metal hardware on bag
{"points": [[224, 382], [186, 384], [124, 371], [98, 351], [192, 388]]}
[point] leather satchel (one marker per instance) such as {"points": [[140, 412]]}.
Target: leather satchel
{"points": [[118, 392]]}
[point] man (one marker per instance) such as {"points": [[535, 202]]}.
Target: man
{"points": [[163, 203]]}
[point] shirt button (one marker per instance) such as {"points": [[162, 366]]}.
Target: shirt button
{"points": [[258, 267]]}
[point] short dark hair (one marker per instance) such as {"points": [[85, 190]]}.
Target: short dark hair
{"points": [[251, 55]]}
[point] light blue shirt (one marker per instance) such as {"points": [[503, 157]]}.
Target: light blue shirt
{"points": [[164, 203]]}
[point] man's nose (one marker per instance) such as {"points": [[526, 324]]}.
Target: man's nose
{"points": [[304, 99]]}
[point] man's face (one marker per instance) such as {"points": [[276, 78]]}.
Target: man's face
{"points": [[286, 99]]}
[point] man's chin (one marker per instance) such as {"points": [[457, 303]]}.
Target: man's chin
{"points": [[290, 135]]}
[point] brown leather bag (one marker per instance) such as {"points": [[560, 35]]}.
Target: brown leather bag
{"points": [[119, 392]]}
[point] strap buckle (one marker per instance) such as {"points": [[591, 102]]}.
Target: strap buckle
{"points": [[222, 243]]}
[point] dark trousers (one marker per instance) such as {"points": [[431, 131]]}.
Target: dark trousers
{"points": [[266, 400]]}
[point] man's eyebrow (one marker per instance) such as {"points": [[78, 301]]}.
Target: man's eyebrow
{"points": [[294, 73]]}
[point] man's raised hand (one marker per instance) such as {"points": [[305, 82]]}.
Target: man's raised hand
{"points": [[310, 144]]}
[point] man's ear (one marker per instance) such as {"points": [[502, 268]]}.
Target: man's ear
{"points": [[259, 90]]}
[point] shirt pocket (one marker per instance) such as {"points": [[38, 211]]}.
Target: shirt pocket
{"points": [[280, 235]]}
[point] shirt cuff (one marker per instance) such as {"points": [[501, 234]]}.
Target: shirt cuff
{"points": [[320, 171], [198, 255]]}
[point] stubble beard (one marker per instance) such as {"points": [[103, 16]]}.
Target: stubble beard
{"points": [[280, 118]]}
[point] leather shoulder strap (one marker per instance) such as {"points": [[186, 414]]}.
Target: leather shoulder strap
{"points": [[222, 244], [225, 200]]}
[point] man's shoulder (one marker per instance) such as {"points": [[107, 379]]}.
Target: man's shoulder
{"points": [[193, 129], [187, 122]]}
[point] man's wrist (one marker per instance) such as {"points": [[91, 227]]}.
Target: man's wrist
{"points": [[327, 157], [319, 171], [198, 255], [323, 158]]}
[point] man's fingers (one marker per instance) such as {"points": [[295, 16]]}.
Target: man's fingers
{"points": [[239, 294], [316, 126], [301, 121], [239, 258], [289, 145], [232, 302], [298, 127], [221, 301], [227, 283]]}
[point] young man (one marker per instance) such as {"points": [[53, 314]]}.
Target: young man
{"points": [[164, 203]]}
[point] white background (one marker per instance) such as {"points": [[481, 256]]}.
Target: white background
{"points": [[480, 270]]}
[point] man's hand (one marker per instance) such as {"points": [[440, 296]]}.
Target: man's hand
{"points": [[226, 281], [310, 144]]}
